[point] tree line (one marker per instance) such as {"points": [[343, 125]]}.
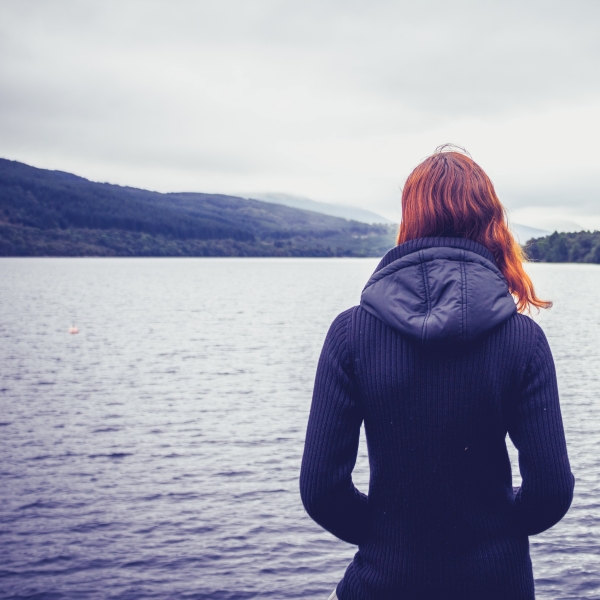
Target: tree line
{"points": [[582, 247]]}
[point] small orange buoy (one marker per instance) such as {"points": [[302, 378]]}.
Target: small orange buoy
{"points": [[73, 329]]}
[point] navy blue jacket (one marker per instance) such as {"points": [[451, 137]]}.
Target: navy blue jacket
{"points": [[439, 366]]}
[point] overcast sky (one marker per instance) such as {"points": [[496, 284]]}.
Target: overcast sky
{"points": [[333, 100]]}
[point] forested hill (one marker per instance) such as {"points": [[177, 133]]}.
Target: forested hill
{"points": [[583, 246], [51, 213]]}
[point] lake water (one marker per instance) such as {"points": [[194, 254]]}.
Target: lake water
{"points": [[156, 453]]}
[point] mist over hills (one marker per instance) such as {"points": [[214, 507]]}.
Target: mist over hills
{"points": [[351, 213], [523, 233], [52, 213]]}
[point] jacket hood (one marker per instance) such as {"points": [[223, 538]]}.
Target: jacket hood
{"points": [[439, 290]]}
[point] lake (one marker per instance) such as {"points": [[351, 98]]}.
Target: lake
{"points": [[156, 453]]}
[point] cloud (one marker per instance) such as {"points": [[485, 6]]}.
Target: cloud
{"points": [[328, 99]]}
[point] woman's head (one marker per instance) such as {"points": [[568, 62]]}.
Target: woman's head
{"points": [[450, 195]]}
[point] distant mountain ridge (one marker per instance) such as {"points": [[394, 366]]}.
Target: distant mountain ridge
{"points": [[53, 213], [351, 213], [522, 232]]}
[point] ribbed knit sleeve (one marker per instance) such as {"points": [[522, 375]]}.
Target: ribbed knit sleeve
{"points": [[536, 430], [326, 486]]}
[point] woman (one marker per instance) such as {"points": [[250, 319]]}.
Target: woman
{"points": [[440, 362]]}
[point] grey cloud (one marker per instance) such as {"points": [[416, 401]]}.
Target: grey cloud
{"points": [[440, 57]]}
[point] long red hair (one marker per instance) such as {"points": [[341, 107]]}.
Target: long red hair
{"points": [[450, 195]]}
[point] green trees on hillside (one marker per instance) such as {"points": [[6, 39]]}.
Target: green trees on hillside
{"points": [[49, 200], [583, 246]]}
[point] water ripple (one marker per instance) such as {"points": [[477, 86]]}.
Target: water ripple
{"points": [[156, 453]]}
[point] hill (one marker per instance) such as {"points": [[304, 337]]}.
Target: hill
{"points": [[52, 213], [582, 246], [523, 233]]}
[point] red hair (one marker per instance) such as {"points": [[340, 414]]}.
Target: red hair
{"points": [[450, 195]]}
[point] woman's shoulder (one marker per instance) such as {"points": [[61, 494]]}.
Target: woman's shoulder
{"points": [[530, 337], [527, 326], [343, 320], [339, 331]]}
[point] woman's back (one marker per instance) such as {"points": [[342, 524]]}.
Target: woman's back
{"points": [[439, 365]]}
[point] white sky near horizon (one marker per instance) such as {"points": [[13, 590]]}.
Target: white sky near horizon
{"points": [[332, 100]]}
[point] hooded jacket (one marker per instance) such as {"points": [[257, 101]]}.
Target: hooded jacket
{"points": [[438, 366]]}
